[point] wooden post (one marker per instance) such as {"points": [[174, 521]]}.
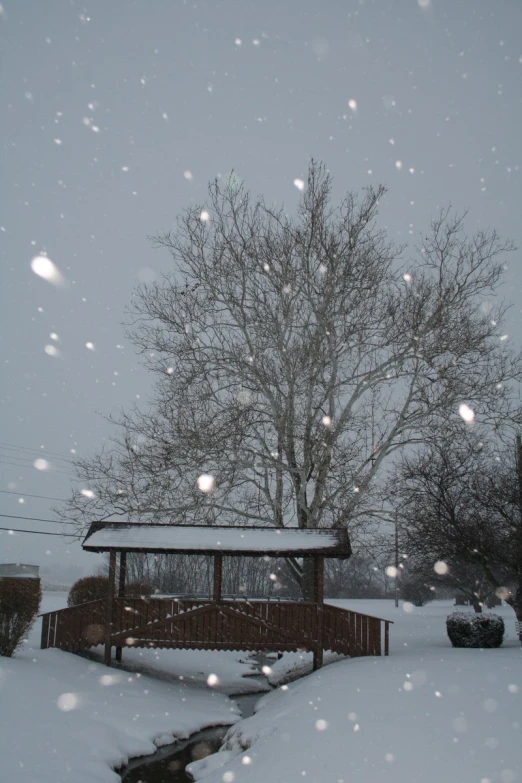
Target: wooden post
{"points": [[121, 592], [386, 638], [319, 599], [110, 607], [218, 576]]}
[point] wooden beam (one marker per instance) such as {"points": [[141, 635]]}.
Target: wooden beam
{"points": [[110, 607], [319, 600], [121, 591], [218, 576]]}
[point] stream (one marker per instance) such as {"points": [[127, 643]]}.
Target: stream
{"points": [[168, 764]]}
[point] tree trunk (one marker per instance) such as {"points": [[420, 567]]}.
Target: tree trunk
{"points": [[307, 579]]}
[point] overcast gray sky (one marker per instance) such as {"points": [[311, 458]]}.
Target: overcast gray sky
{"points": [[116, 113]]}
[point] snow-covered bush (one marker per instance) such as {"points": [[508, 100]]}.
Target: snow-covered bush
{"points": [[94, 588], [19, 605], [416, 592], [475, 630]]}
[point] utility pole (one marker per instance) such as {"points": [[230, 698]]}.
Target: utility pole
{"points": [[518, 455], [396, 561]]}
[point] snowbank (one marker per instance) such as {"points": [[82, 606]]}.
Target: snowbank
{"points": [[428, 712], [66, 718]]}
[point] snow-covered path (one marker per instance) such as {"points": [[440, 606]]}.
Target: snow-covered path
{"points": [[66, 719], [428, 713]]}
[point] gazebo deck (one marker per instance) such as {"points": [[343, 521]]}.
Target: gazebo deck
{"points": [[204, 624]]}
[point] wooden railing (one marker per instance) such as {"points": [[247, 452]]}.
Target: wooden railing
{"points": [[223, 625]]}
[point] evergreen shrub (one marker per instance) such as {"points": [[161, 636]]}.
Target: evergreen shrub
{"points": [[475, 630], [19, 604]]}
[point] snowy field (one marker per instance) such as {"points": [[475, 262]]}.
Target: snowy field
{"points": [[427, 713]]}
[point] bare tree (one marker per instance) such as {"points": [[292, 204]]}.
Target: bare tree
{"points": [[461, 516], [293, 355]]}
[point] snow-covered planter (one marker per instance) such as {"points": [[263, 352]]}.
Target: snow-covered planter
{"points": [[475, 630]]}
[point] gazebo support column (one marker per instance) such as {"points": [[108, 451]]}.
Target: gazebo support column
{"points": [[319, 600], [110, 607], [218, 577], [121, 591]]}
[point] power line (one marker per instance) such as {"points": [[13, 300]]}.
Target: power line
{"points": [[28, 495], [38, 532], [34, 519], [25, 465], [32, 459], [14, 447]]}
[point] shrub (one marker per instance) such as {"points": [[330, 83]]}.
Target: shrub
{"points": [[475, 630], [19, 604], [416, 592], [88, 588], [94, 588]]}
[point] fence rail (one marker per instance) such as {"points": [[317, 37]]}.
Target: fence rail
{"points": [[224, 625]]}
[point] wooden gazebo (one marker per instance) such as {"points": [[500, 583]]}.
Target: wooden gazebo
{"points": [[214, 623]]}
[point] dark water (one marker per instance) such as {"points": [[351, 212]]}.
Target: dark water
{"points": [[168, 764]]}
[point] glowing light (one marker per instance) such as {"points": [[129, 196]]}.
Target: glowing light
{"points": [[467, 413], [299, 183], [212, 680], [41, 464], [352, 104], [441, 567], [206, 483], [47, 270]]}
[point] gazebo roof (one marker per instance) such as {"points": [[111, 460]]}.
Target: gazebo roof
{"points": [[204, 539]]}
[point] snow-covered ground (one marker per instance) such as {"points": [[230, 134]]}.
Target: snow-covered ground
{"points": [[65, 718], [428, 713]]}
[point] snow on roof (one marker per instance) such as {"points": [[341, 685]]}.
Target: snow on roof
{"points": [[185, 539]]}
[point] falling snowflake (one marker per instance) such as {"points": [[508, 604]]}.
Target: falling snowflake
{"points": [[90, 346], [41, 464], [352, 104], [206, 483], [467, 413], [212, 680], [204, 216], [188, 175], [299, 183], [441, 567], [47, 270], [391, 571]]}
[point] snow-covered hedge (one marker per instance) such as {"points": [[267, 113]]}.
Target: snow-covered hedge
{"points": [[475, 630]]}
